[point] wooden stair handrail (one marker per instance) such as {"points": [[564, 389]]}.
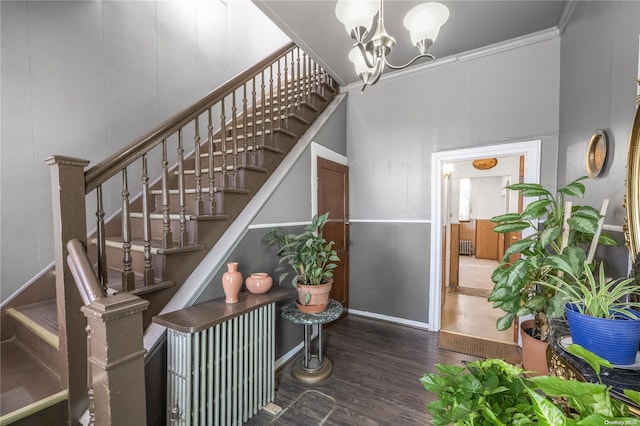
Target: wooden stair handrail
{"points": [[83, 274], [107, 168]]}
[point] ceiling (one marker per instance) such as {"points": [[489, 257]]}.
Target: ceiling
{"points": [[313, 25]]}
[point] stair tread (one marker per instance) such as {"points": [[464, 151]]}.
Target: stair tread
{"points": [[205, 153], [137, 245], [205, 170], [115, 283], [205, 190], [40, 317], [24, 380]]}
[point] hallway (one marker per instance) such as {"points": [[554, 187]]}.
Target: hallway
{"points": [[468, 311]]}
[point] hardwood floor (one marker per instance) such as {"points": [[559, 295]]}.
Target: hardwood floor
{"points": [[375, 380], [470, 314]]}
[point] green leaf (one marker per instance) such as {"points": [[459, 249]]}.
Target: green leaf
{"points": [[536, 209], [535, 192], [606, 240], [574, 189], [549, 235], [632, 395], [307, 298], [511, 227], [560, 263], [547, 412], [505, 322], [518, 247], [508, 217], [592, 359], [583, 224]]}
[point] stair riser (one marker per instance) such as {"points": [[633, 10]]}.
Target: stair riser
{"points": [[190, 200], [157, 229], [114, 262], [46, 354]]}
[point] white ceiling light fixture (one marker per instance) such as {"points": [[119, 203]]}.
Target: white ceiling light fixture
{"points": [[370, 57]]}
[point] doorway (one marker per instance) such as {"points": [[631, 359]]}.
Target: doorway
{"points": [[440, 245], [331, 194], [476, 195]]}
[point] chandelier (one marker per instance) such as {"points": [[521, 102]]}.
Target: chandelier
{"points": [[370, 57]]}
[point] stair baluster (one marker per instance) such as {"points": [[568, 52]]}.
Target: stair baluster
{"points": [[184, 238], [286, 89], [304, 79], [167, 235], [149, 276], [212, 173], [198, 169], [279, 95], [245, 120], [102, 249], [264, 105], [271, 119], [254, 107], [234, 140], [298, 81], [128, 277], [223, 139]]}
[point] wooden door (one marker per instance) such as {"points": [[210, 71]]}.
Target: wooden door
{"points": [[486, 240], [333, 197]]}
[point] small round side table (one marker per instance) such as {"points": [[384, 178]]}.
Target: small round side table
{"points": [[312, 368]]}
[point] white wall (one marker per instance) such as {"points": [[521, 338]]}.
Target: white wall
{"points": [[84, 78]]}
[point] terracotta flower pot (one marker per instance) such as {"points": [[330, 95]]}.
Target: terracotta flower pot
{"points": [[319, 297], [534, 351]]}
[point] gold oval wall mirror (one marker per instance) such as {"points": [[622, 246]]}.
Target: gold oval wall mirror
{"points": [[632, 196]]}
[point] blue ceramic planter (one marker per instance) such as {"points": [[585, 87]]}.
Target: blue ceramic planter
{"points": [[615, 340]]}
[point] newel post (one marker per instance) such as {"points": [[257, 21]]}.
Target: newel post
{"points": [[116, 359], [69, 222]]}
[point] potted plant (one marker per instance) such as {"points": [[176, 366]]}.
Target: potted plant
{"points": [[601, 315], [493, 392], [516, 284], [312, 260]]}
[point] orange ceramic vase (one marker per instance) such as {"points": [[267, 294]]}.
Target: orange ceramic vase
{"points": [[258, 283], [231, 282]]}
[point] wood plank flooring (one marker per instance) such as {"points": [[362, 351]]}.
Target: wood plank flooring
{"points": [[375, 380]]}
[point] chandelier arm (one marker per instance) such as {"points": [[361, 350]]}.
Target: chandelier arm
{"points": [[363, 52], [396, 67], [377, 73]]}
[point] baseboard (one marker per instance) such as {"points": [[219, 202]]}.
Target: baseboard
{"points": [[280, 362], [396, 320]]}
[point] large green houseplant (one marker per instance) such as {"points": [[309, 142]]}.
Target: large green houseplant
{"points": [[517, 290], [311, 260], [493, 392]]}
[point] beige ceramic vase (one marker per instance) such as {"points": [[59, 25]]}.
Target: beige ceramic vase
{"points": [[231, 282], [258, 283]]}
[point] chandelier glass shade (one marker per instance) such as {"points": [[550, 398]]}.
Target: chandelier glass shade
{"points": [[369, 56]]}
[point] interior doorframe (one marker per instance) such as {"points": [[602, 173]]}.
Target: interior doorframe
{"points": [[531, 150], [318, 150]]}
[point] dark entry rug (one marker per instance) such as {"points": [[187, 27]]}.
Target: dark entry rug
{"points": [[481, 348]]}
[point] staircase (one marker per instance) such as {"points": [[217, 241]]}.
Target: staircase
{"points": [[192, 175]]}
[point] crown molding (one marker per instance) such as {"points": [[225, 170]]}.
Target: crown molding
{"points": [[471, 55]]}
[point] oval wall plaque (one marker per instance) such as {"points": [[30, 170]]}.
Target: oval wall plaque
{"points": [[485, 163]]}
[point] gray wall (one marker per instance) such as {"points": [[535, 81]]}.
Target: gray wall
{"points": [[392, 130], [84, 78], [598, 73]]}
